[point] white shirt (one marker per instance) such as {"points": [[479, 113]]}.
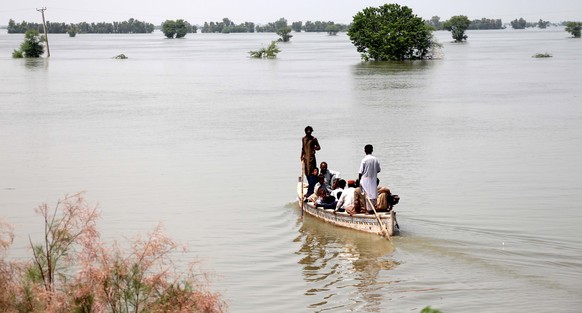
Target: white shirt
{"points": [[336, 191], [369, 168], [346, 199]]}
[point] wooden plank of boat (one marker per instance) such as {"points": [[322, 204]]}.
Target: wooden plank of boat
{"points": [[362, 222]]}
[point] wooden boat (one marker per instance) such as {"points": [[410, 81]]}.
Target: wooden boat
{"points": [[362, 222]]}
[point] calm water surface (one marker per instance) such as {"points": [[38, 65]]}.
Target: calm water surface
{"points": [[483, 146]]}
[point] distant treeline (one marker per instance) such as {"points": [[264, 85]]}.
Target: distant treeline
{"points": [[484, 23], [228, 26], [522, 24], [135, 26], [126, 27]]}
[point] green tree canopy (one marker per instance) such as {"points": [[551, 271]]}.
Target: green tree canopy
{"points": [[543, 24], [332, 29], [574, 28], [519, 24], [435, 22], [269, 52], [131, 26], [178, 28], [31, 47], [181, 28], [169, 28], [297, 26], [457, 26], [272, 27], [285, 33], [227, 26], [391, 32], [486, 23]]}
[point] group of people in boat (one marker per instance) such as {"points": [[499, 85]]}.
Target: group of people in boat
{"points": [[327, 189]]}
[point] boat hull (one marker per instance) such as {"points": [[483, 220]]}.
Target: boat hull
{"points": [[362, 222]]}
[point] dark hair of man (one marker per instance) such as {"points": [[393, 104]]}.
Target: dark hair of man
{"points": [[309, 128], [368, 149], [342, 184]]}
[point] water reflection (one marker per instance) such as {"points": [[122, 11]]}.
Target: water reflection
{"points": [[392, 67], [34, 64], [390, 75], [342, 267]]}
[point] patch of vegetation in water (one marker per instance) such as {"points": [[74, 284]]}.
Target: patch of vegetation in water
{"points": [[542, 55]]}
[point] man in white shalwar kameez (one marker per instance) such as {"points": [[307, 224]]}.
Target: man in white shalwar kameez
{"points": [[369, 169]]}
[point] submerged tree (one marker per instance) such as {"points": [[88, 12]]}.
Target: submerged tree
{"points": [[543, 24], [176, 29], [169, 28], [574, 28], [519, 24], [285, 33], [269, 52], [391, 32], [31, 47], [181, 28], [435, 22], [72, 31], [332, 29], [457, 26], [297, 26]]}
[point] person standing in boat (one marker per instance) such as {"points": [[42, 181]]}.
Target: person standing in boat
{"points": [[368, 174], [309, 146]]}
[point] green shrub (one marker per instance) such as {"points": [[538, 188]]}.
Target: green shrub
{"points": [[31, 47], [269, 52], [542, 55], [428, 309]]}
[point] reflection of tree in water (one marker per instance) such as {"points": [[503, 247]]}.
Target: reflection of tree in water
{"points": [[382, 76], [341, 266], [33, 64]]}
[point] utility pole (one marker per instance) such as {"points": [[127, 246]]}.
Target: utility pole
{"points": [[48, 51]]}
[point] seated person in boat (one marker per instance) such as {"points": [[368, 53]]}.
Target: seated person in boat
{"points": [[386, 200], [347, 197], [339, 189], [360, 200], [331, 177], [324, 199], [322, 184], [312, 180]]}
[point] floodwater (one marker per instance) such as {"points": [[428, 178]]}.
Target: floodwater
{"points": [[483, 146]]}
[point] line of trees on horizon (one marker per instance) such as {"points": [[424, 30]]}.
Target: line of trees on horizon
{"points": [[131, 26], [522, 24], [476, 24], [228, 26], [135, 26], [486, 23]]}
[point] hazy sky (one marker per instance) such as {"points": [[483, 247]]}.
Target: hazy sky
{"points": [[263, 11]]}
